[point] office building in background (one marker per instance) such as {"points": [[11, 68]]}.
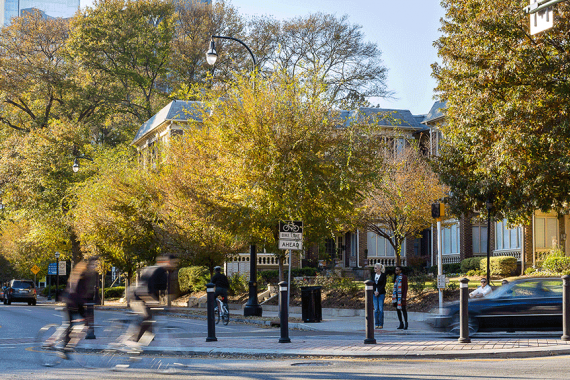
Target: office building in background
{"points": [[50, 8]]}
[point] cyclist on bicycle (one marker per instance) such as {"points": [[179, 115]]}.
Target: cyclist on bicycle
{"points": [[80, 289], [222, 285], [152, 280]]}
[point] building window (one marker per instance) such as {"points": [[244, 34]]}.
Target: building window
{"points": [[451, 239], [380, 247], [507, 238], [546, 232], [479, 239]]}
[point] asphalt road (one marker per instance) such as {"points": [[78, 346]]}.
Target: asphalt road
{"points": [[19, 323]]}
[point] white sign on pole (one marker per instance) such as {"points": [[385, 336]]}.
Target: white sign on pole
{"points": [[541, 20], [291, 235], [291, 244], [62, 268]]}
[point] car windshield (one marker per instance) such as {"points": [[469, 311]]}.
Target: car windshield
{"points": [[22, 285], [530, 288]]}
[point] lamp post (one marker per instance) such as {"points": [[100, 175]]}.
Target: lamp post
{"points": [[489, 205], [252, 307], [76, 162], [56, 276]]}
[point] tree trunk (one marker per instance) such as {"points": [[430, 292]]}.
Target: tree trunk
{"points": [[76, 255]]}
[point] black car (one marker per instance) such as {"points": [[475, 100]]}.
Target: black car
{"points": [[524, 304], [20, 291]]}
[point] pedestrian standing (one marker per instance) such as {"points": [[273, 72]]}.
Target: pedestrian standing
{"points": [[379, 288], [399, 296]]}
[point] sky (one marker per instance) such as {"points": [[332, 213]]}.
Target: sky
{"points": [[404, 30]]}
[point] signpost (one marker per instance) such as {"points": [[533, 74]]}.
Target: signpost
{"points": [[291, 238], [35, 269]]}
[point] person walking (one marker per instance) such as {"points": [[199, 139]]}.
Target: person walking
{"points": [[379, 294], [399, 296]]}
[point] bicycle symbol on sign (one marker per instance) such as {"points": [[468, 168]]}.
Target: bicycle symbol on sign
{"points": [[290, 227]]}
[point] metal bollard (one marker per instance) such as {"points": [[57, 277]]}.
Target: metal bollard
{"points": [[284, 312], [565, 308], [211, 318], [369, 313], [464, 311], [90, 316]]}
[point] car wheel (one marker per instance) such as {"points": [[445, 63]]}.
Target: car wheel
{"points": [[455, 326]]}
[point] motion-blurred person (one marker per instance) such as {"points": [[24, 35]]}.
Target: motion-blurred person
{"points": [[81, 288], [146, 294]]}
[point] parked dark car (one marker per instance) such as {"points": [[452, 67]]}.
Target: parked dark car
{"points": [[523, 304], [20, 291]]}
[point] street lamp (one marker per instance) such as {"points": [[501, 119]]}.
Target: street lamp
{"points": [[57, 277], [76, 162], [489, 205], [252, 307]]}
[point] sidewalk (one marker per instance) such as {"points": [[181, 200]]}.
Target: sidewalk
{"points": [[419, 341]]}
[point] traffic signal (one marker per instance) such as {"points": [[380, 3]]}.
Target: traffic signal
{"points": [[435, 210]]}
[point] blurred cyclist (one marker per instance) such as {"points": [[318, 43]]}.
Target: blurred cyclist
{"points": [[222, 285], [146, 294], [81, 288]]}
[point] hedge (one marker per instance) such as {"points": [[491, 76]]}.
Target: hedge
{"points": [[272, 276], [500, 265], [193, 279], [557, 262], [472, 263], [115, 292]]}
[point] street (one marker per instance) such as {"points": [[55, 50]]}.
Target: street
{"points": [[19, 323]]}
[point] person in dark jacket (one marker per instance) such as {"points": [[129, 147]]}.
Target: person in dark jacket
{"points": [[379, 294], [152, 281], [222, 285], [80, 289], [399, 296]]}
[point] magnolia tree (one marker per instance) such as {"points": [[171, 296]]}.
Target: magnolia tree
{"points": [[399, 205]]}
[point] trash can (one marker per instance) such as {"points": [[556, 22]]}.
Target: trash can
{"points": [[311, 309]]}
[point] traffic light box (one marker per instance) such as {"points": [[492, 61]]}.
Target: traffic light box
{"points": [[437, 210]]}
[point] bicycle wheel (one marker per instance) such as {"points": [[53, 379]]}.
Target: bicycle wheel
{"points": [[49, 345], [226, 316], [117, 354], [217, 314]]}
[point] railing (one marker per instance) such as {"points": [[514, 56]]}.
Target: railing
{"points": [[386, 261], [240, 263], [453, 258], [516, 253]]}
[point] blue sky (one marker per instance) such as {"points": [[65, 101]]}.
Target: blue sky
{"points": [[404, 30]]}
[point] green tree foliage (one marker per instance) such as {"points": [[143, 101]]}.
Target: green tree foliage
{"points": [[507, 133], [128, 42], [399, 205], [116, 215], [271, 150]]}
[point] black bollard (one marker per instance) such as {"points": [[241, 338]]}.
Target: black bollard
{"points": [[565, 308], [211, 304], [369, 305], [464, 311], [284, 312], [90, 317]]}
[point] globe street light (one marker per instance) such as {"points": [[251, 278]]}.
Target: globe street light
{"points": [[252, 307], [76, 162], [489, 205]]}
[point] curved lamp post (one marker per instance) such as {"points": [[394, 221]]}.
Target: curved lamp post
{"points": [[76, 162], [252, 307]]}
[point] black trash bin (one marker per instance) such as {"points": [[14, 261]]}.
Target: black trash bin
{"points": [[311, 309]]}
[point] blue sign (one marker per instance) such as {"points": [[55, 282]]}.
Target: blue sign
{"points": [[52, 269]]}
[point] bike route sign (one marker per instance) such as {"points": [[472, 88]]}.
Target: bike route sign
{"points": [[291, 235]]}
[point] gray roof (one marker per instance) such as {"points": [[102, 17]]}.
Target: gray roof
{"points": [[394, 118], [436, 112], [177, 110]]}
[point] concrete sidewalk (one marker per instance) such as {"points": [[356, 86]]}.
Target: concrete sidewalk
{"points": [[343, 336]]}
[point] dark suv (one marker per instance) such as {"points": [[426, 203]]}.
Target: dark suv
{"points": [[20, 291]]}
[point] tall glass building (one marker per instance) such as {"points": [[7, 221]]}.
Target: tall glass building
{"points": [[51, 8]]}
